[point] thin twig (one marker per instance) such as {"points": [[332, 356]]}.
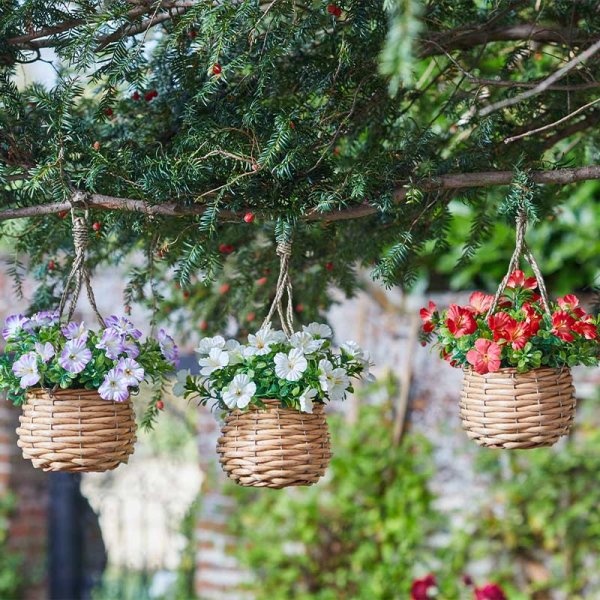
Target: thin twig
{"points": [[551, 125], [538, 89]]}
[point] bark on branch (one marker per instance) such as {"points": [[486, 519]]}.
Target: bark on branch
{"points": [[443, 182]]}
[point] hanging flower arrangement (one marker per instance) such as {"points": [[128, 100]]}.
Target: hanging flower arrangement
{"points": [[74, 383], [516, 349], [273, 390]]}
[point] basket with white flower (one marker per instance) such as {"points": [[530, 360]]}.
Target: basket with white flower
{"points": [[273, 389], [74, 384], [516, 349]]}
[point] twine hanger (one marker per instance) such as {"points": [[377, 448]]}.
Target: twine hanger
{"points": [[284, 287], [80, 274], [522, 250]]}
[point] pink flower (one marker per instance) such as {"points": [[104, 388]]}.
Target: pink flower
{"points": [[490, 591], [427, 315], [570, 302], [485, 357], [517, 279], [460, 321], [563, 323], [480, 302], [421, 588]]}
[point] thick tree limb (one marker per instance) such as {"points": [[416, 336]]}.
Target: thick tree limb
{"points": [[465, 39], [443, 182]]}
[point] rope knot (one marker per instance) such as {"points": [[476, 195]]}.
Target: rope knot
{"points": [[284, 249], [80, 234]]}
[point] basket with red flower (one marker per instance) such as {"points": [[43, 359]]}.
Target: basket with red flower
{"points": [[516, 349]]}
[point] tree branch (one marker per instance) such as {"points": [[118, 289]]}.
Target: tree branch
{"points": [[460, 39], [443, 182]]}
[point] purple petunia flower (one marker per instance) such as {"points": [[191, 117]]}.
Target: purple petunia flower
{"points": [[111, 343], [168, 347], [44, 318], [27, 369], [75, 331], [114, 386], [131, 348], [12, 325], [124, 326], [45, 351], [75, 356], [132, 370]]}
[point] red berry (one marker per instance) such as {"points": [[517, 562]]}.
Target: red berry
{"points": [[224, 288], [329, 266], [160, 405], [467, 579], [97, 226], [136, 96], [261, 281], [216, 69], [249, 217], [203, 325], [334, 10], [108, 112], [127, 309], [336, 151], [149, 96], [292, 125], [51, 265], [62, 214], [96, 146], [186, 294], [226, 248], [250, 317], [255, 166], [192, 34], [299, 308]]}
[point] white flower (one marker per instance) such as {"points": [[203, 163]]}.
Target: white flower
{"points": [[259, 343], [318, 329], [366, 363], [353, 350], [305, 342], [217, 359], [181, 378], [239, 392], [290, 366], [46, 351], [305, 400], [325, 370], [207, 344], [333, 381]]}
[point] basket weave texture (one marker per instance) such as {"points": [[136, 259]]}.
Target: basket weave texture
{"points": [[513, 410], [75, 431], [274, 447]]}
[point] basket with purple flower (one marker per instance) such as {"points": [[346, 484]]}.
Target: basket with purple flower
{"points": [[75, 383]]}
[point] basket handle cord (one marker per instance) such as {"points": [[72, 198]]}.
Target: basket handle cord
{"points": [[522, 250], [80, 274], [283, 289]]}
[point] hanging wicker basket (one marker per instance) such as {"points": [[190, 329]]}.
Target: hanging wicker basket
{"points": [[510, 410], [75, 431], [274, 447]]}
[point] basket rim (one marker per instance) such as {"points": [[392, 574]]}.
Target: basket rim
{"points": [[515, 371], [272, 404], [39, 393]]}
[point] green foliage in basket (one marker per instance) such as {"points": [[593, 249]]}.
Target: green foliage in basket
{"points": [[519, 333]]}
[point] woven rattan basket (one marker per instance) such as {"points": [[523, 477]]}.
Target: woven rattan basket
{"points": [[274, 447], [512, 410], [75, 431]]}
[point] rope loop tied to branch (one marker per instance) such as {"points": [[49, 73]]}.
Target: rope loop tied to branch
{"points": [[79, 275], [283, 291], [522, 251]]}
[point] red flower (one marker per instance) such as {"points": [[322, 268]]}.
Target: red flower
{"points": [[562, 325], [490, 591], [485, 357], [481, 302], [460, 321], [427, 315], [498, 324], [517, 279], [421, 587], [586, 328], [570, 303], [517, 333]]}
